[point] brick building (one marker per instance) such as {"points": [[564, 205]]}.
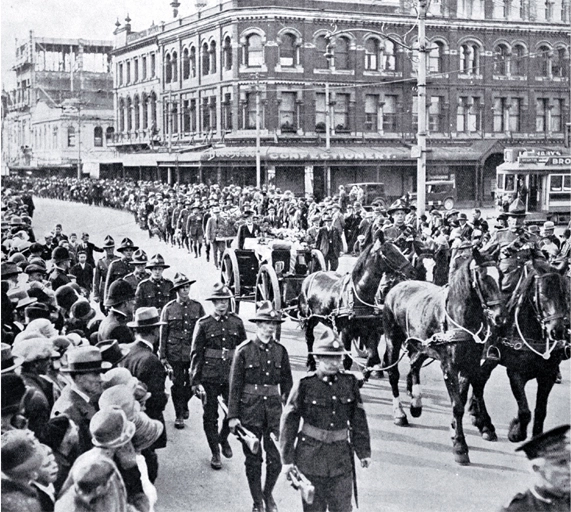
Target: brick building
{"points": [[187, 92]]}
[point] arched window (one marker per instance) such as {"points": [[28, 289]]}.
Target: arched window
{"points": [[436, 57], [560, 66], [185, 64], [254, 51], [342, 53], [227, 53], [193, 62], [390, 56], [288, 51], [121, 115], [213, 57], [109, 134], [70, 137], [168, 69], [372, 54], [174, 67], [205, 60], [501, 57], [321, 61], [136, 112], [145, 111], [98, 137], [129, 115], [470, 59], [153, 110], [518, 62], [544, 60]]}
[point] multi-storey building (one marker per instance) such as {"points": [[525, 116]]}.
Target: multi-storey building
{"points": [[61, 113], [188, 93]]}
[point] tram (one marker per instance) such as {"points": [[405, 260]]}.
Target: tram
{"points": [[541, 178]]}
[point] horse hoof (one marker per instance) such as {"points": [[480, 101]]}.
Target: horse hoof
{"points": [[489, 436], [462, 458], [379, 374], [516, 437], [401, 422], [415, 412], [474, 420]]}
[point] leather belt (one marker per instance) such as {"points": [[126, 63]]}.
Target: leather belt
{"points": [[325, 436], [262, 389], [223, 354]]}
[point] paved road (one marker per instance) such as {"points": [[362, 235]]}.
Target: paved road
{"points": [[413, 468]]}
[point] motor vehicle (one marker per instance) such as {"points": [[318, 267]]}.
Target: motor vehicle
{"points": [[374, 193], [439, 194]]}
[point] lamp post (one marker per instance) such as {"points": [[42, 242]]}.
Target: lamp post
{"points": [[421, 135]]}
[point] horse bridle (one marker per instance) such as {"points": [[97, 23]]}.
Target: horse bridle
{"points": [[486, 305], [400, 271]]}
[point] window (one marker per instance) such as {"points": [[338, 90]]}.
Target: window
{"points": [[501, 57], [320, 112], [435, 120], [250, 111], [153, 111], [144, 68], [342, 53], [371, 112], [507, 9], [515, 115], [544, 61], [565, 11], [193, 62], [501, 114], [205, 114], [136, 112], [227, 112], [321, 61], [435, 58], [145, 111], [193, 115], [470, 59], [548, 10], [390, 114], [98, 137], [205, 60], [186, 116], [70, 137], [120, 73], [390, 57], [136, 69], [518, 62], [254, 51], [153, 64], [341, 113], [372, 54], [288, 51], [174, 117], [129, 114], [213, 57], [121, 115], [287, 118], [185, 64], [109, 134], [174, 64], [560, 63], [468, 115], [541, 114], [213, 106], [227, 53], [557, 115], [128, 78], [168, 69]]}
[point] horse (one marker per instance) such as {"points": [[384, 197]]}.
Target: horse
{"points": [[444, 323], [533, 344], [324, 298]]}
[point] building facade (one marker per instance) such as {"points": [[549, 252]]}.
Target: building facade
{"points": [[332, 87], [61, 113]]}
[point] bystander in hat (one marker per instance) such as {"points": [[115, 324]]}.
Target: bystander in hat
{"points": [[110, 428], [85, 360], [21, 453], [146, 317], [120, 291], [112, 352], [10, 362]]}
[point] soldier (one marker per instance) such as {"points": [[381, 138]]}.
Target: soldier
{"points": [[179, 317], [549, 455], [156, 290], [100, 272], [121, 267], [195, 231], [400, 233], [140, 273], [182, 224], [334, 427], [120, 300], [260, 381], [214, 341], [62, 262]]}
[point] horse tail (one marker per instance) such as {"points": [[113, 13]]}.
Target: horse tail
{"points": [[302, 302]]}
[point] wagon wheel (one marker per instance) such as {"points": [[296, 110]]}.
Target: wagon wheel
{"points": [[317, 262], [230, 275], [268, 288]]}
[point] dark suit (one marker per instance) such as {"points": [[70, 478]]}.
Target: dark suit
{"points": [[245, 232], [114, 327], [78, 410], [58, 278], [83, 276], [329, 242], [89, 249]]}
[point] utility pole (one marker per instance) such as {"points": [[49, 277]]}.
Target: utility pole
{"points": [[421, 136], [258, 162], [329, 55]]}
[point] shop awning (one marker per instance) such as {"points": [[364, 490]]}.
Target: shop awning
{"points": [[475, 152]]}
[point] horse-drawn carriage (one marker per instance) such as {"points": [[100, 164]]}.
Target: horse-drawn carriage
{"points": [[269, 270]]}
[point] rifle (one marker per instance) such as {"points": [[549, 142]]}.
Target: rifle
{"points": [[297, 479], [242, 433]]}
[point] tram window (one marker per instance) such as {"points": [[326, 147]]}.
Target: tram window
{"points": [[510, 183], [567, 182], [556, 183], [500, 184]]}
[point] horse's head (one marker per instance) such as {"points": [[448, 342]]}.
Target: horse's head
{"points": [[394, 261], [485, 281], [548, 299]]}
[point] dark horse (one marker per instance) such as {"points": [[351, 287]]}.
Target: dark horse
{"points": [[447, 324], [326, 297], [533, 343]]}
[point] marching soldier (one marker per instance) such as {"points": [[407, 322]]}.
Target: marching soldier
{"points": [[179, 317], [215, 339], [334, 428], [101, 269], [260, 381], [156, 290], [140, 272], [121, 267]]}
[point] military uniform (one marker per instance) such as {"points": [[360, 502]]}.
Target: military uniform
{"points": [[134, 279], [176, 337], [538, 501], [260, 381], [153, 293], [100, 277], [117, 269]]}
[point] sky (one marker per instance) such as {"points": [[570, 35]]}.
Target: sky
{"points": [[86, 19]]}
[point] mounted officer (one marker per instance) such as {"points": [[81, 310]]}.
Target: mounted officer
{"points": [[156, 290]]}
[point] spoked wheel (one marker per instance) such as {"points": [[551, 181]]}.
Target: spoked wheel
{"points": [[317, 262], [230, 275], [268, 288]]}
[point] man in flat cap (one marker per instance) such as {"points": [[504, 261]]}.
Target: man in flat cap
{"points": [[549, 455]]}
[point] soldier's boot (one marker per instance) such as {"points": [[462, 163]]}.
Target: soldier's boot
{"points": [[215, 462], [223, 440], [254, 476], [272, 475], [211, 432]]}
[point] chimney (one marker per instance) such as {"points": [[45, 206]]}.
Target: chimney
{"points": [[175, 4]]}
